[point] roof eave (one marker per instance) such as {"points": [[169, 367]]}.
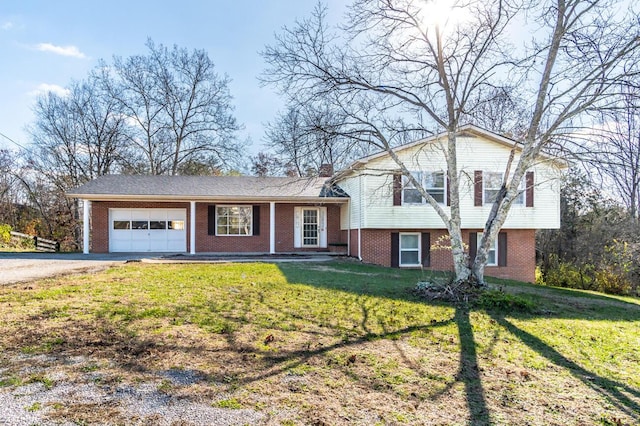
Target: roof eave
{"points": [[184, 198]]}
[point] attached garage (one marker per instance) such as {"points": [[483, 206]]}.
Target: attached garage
{"points": [[147, 230]]}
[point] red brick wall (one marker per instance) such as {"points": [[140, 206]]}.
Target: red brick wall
{"points": [[521, 259], [100, 219], [221, 244], [285, 224], [206, 243]]}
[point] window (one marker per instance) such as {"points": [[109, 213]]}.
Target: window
{"points": [[139, 224], [234, 220], [432, 182], [157, 224], [121, 224], [492, 256], [176, 224], [410, 249], [493, 183]]}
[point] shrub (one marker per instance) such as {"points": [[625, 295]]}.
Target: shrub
{"points": [[499, 300], [5, 234], [566, 274], [539, 276], [611, 282]]}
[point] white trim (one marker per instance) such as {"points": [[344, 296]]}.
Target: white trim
{"points": [[419, 249], [208, 198], [298, 230], [192, 227], [349, 231], [86, 206], [272, 227]]}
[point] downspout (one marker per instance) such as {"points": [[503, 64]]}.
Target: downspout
{"points": [[349, 229], [360, 219]]}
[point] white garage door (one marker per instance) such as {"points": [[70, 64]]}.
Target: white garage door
{"points": [[147, 230]]}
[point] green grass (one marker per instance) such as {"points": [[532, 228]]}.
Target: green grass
{"points": [[338, 343]]}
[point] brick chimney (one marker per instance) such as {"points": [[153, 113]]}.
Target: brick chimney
{"points": [[326, 170]]}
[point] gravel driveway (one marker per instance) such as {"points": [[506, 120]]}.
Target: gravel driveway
{"points": [[21, 267]]}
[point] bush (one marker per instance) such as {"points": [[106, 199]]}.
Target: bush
{"points": [[610, 282], [566, 274], [499, 300], [5, 234]]}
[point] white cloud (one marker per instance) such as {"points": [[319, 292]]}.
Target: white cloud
{"points": [[44, 88], [60, 50], [7, 25]]}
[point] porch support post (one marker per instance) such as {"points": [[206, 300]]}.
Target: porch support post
{"points": [[272, 227], [192, 227], [86, 206]]}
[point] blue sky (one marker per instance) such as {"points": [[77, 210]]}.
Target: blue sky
{"points": [[46, 44]]}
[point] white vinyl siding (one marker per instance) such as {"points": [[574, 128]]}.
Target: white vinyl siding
{"points": [[350, 212], [474, 154]]}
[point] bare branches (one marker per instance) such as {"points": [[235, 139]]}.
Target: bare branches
{"points": [[389, 69]]}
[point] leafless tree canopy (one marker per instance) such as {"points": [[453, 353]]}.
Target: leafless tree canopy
{"points": [[177, 107], [389, 70], [306, 136], [612, 152], [165, 112]]}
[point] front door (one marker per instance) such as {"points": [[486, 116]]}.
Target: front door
{"points": [[310, 235], [310, 227]]}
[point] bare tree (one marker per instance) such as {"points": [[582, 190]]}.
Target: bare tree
{"points": [[177, 106], [616, 155], [308, 135], [9, 188], [76, 137], [389, 71]]}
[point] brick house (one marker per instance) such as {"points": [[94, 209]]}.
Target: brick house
{"points": [[368, 209]]}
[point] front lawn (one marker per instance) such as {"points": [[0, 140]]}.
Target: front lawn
{"points": [[320, 343]]}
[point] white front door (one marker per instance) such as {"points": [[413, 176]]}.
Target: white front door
{"points": [[147, 230], [310, 227]]}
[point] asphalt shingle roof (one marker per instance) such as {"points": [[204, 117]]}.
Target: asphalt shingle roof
{"points": [[207, 186]]}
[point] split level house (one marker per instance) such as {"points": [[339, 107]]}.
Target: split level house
{"points": [[368, 210]]}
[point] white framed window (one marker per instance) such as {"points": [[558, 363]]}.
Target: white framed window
{"points": [[433, 182], [492, 256], [410, 249], [234, 220], [492, 182]]}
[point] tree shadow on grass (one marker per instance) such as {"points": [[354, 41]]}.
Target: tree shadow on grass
{"points": [[619, 394], [107, 339], [469, 372], [584, 306]]}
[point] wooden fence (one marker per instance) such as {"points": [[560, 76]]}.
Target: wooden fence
{"points": [[40, 244]]}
